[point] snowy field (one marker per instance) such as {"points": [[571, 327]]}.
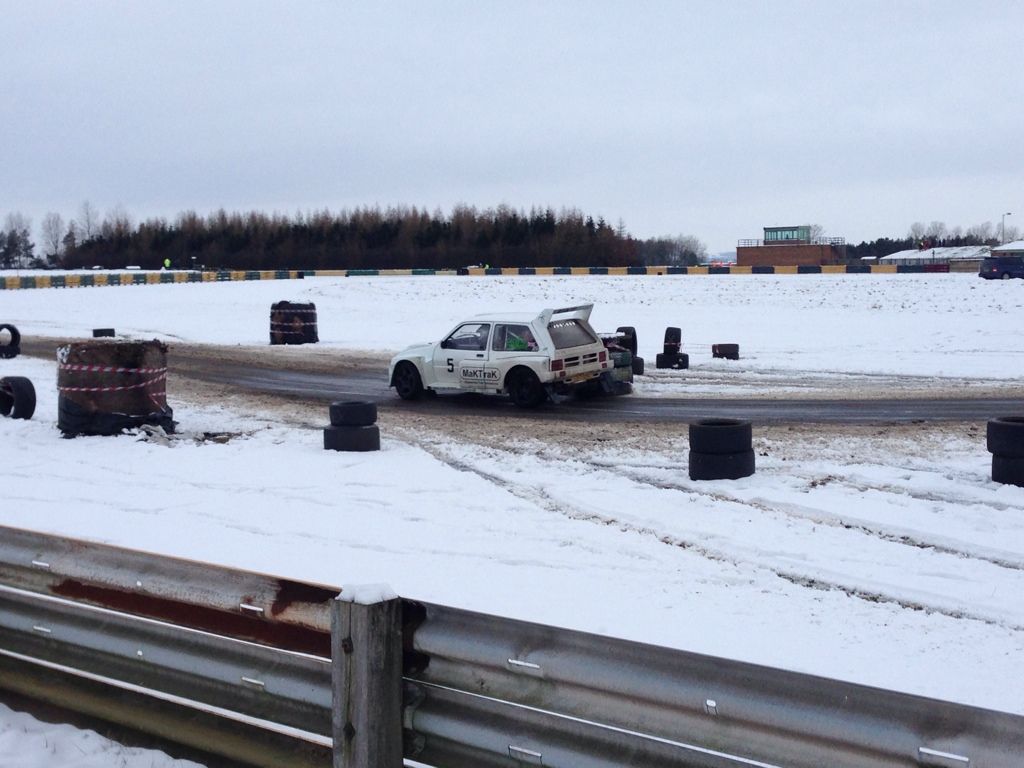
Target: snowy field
{"points": [[884, 555]]}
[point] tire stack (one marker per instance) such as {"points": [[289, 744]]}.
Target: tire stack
{"points": [[10, 342], [726, 351], [721, 449], [1005, 441], [105, 387], [293, 323], [671, 357], [628, 334], [17, 397], [353, 427]]}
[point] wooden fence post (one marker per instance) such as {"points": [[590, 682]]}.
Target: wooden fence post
{"points": [[366, 678]]}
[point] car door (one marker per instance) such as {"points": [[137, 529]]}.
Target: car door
{"points": [[460, 357]]}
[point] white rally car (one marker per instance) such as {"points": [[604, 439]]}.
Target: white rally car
{"points": [[527, 356]]}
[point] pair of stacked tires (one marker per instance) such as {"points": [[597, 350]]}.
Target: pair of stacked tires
{"points": [[721, 449], [670, 356], [353, 427], [1005, 441], [726, 351], [628, 334]]}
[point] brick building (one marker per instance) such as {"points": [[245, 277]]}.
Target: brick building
{"points": [[790, 246]]}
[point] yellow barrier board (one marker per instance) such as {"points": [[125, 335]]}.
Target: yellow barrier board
{"points": [[100, 279], [72, 281], [544, 271], [152, 278], [740, 270], [510, 271], [787, 269], [617, 271], [579, 271], [181, 277], [696, 270], [833, 269], [476, 271], [209, 277], [10, 283], [883, 269], [43, 281]]}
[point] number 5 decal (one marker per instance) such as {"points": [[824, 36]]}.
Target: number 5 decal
{"points": [[451, 365]]}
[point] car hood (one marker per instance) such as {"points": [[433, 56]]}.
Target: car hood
{"points": [[423, 349]]}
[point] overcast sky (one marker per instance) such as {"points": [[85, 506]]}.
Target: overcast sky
{"points": [[708, 118]]}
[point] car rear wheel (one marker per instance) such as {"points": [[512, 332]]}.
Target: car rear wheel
{"points": [[1006, 275], [408, 384], [525, 390]]}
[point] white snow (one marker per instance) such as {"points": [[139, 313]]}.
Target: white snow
{"points": [[883, 555]]}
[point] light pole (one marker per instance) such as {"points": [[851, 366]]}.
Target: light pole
{"points": [[1002, 230]]}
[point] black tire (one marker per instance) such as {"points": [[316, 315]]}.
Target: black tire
{"points": [[1008, 470], [13, 347], [674, 336], [354, 413], [525, 389], [638, 366], [622, 359], [101, 332], [1005, 436], [407, 381], [365, 438], [721, 466], [720, 436], [677, 360], [628, 333], [17, 397], [726, 351]]}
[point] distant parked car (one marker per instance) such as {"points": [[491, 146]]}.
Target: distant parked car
{"points": [[1002, 267]]}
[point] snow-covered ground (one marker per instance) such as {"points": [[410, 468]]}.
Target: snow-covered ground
{"points": [[883, 555]]}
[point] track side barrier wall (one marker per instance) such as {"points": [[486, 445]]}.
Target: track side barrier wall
{"points": [[366, 678]]}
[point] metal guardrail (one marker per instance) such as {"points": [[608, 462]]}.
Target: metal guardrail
{"points": [[464, 689]]}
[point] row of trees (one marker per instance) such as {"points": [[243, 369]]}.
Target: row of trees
{"points": [[933, 235], [400, 237]]}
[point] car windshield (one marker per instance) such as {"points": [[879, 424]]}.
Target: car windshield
{"points": [[570, 333]]}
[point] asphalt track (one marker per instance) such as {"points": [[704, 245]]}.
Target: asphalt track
{"points": [[371, 384]]}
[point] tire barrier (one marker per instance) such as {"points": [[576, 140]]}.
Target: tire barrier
{"points": [[105, 387], [622, 371], [353, 427], [293, 323], [677, 360], [99, 333], [721, 449], [638, 366], [628, 334], [17, 397], [673, 340], [1004, 438], [10, 341], [726, 351]]}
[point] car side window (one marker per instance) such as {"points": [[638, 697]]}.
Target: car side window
{"points": [[472, 336], [513, 338]]}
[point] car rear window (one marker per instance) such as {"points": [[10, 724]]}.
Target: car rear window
{"points": [[570, 333]]}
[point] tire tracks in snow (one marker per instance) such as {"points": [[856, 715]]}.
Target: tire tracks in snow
{"points": [[538, 496]]}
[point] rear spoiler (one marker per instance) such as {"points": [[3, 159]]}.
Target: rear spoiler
{"points": [[580, 312]]}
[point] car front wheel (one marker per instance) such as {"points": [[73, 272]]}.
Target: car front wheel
{"points": [[407, 380]]}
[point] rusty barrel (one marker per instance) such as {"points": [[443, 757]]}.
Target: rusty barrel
{"points": [[105, 387], [293, 323]]}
